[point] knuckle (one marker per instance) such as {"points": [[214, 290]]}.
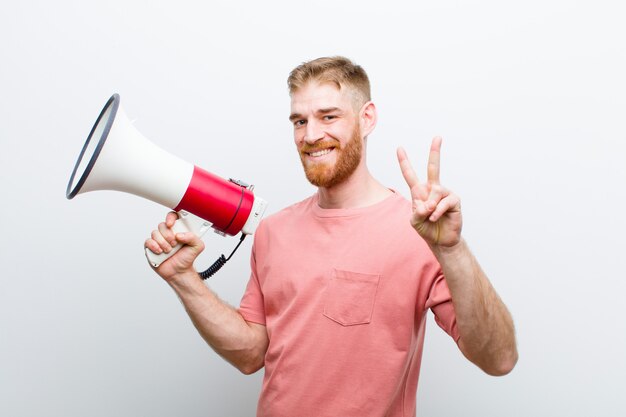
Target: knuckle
{"points": [[164, 230], [155, 234]]}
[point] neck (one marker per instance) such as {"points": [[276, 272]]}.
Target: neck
{"points": [[361, 189]]}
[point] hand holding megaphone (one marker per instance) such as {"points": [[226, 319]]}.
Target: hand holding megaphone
{"points": [[164, 238], [186, 222], [116, 156]]}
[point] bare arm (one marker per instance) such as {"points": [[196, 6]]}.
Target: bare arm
{"points": [[487, 335], [241, 343]]}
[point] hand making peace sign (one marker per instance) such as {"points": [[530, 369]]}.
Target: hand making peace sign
{"points": [[436, 210]]}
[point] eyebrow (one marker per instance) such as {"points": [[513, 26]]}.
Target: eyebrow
{"points": [[295, 116]]}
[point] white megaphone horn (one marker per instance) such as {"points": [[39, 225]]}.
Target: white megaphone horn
{"points": [[116, 156]]}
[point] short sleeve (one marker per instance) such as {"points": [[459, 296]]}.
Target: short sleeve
{"points": [[440, 302], [251, 306]]}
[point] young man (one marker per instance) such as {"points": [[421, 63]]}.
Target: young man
{"points": [[341, 282]]}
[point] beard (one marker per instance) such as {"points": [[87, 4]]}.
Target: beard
{"points": [[323, 174]]}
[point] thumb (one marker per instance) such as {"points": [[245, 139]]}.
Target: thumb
{"points": [[191, 240]]}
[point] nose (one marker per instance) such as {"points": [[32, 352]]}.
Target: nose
{"points": [[313, 133]]}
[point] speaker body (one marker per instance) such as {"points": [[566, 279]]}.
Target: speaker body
{"points": [[116, 156]]}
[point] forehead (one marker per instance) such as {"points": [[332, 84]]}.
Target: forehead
{"points": [[314, 95]]}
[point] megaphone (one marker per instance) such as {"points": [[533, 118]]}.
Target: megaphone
{"points": [[116, 156]]}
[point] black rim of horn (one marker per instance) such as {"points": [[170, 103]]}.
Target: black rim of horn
{"points": [[115, 102]]}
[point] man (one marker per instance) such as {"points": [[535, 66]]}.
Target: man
{"points": [[341, 282]]}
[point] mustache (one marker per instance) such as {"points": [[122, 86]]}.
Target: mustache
{"points": [[318, 146]]}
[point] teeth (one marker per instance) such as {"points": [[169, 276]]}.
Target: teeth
{"points": [[320, 153]]}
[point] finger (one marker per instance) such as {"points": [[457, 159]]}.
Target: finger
{"points": [[171, 218], [417, 189], [188, 238], [433, 160], [157, 236], [407, 170], [192, 240], [421, 212], [167, 233], [153, 246], [448, 204], [436, 194]]}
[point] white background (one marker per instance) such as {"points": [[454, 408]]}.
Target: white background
{"points": [[529, 96]]}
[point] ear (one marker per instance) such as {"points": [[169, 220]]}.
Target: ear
{"points": [[368, 116]]}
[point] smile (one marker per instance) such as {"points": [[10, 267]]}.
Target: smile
{"points": [[320, 153]]}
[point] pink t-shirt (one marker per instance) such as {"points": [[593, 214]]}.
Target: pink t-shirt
{"points": [[344, 295]]}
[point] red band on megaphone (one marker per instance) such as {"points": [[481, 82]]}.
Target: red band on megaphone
{"points": [[223, 203]]}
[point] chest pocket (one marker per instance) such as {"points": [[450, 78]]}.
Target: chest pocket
{"points": [[350, 297]]}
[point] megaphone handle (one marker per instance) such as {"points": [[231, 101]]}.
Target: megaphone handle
{"points": [[186, 222]]}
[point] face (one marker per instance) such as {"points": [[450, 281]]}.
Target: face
{"points": [[327, 133]]}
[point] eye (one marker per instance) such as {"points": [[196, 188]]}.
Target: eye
{"points": [[329, 117], [299, 123]]}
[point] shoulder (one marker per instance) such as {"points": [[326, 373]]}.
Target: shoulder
{"points": [[284, 218], [287, 213], [394, 209], [399, 201], [396, 219]]}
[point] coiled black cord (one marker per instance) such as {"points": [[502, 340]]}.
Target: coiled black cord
{"points": [[217, 265]]}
